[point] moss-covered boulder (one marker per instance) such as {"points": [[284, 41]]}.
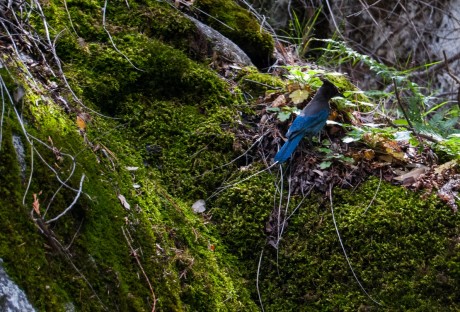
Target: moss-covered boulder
{"points": [[90, 231], [241, 27], [403, 248]]}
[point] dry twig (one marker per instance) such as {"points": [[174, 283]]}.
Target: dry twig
{"points": [[136, 256]]}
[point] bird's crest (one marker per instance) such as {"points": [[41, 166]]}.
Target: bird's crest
{"points": [[330, 90]]}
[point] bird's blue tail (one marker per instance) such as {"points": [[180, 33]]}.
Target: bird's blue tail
{"points": [[288, 148]]}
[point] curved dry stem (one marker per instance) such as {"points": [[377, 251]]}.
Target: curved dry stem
{"points": [[344, 250], [104, 10], [239, 182], [72, 204], [257, 280]]}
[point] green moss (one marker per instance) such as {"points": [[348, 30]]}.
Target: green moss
{"points": [[185, 143], [22, 248], [403, 249], [241, 27], [257, 84], [163, 73]]}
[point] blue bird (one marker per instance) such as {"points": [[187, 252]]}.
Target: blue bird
{"points": [[310, 121]]}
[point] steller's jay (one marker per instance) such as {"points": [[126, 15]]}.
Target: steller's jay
{"points": [[310, 121]]}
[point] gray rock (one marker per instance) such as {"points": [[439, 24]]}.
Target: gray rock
{"points": [[221, 44], [20, 153], [12, 298]]}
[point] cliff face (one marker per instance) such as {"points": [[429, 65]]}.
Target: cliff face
{"points": [[104, 152]]}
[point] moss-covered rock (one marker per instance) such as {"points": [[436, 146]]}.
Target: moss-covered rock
{"points": [[172, 243], [241, 27], [403, 248], [256, 84], [163, 101]]}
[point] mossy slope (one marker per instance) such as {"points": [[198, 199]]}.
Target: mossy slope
{"points": [[168, 108], [172, 243]]}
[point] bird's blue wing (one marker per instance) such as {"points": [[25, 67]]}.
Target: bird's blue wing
{"points": [[308, 125], [302, 125]]}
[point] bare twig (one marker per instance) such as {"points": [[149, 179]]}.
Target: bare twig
{"points": [[334, 21], [74, 236], [63, 182], [57, 246], [172, 4], [104, 10], [376, 192], [239, 182], [3, 114], [235, 159], [301, 202], [136, 256], [257, 280], [70, 18], [29, 182], [409, 122], [436, 67], [282, 225], [72, 204]]}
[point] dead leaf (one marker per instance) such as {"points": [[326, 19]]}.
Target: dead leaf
{"points": [[386, 158], [123, 202], [57, 154], [36, 204], [368, 154], [392, 148], [279, 101], [320, 173], [81, 124], [412, 176], [446, 166], [333, 115], [109, 151], [384, 144], [293, 86]]}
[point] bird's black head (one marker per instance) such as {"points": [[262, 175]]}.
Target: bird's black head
{"points": [[329, 90]]}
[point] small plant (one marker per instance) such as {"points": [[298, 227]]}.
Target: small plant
{"points": [[284, 113], [413, 116], [332, 156], [301, 85], [301, 31]]}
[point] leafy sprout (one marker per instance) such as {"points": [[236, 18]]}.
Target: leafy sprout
{"points": [[284, 113], [332, 156]]}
